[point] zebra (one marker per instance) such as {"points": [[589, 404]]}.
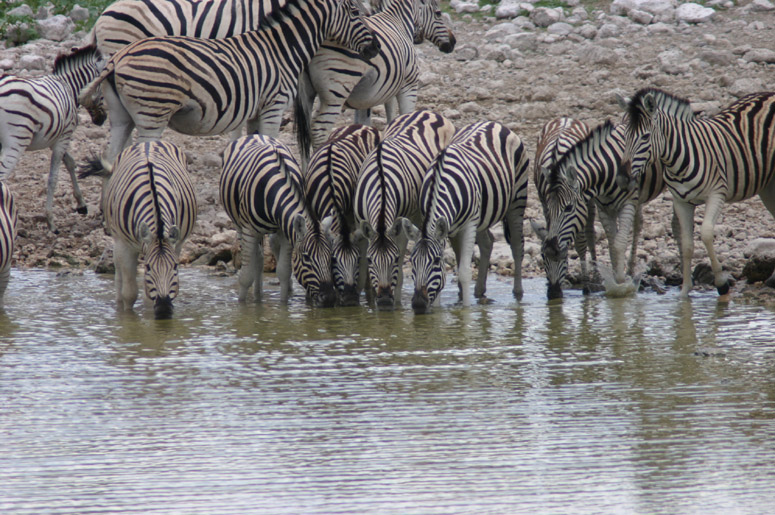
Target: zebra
{"points": [[41, 113], [728, 157], [339, 78], [330, 180], [204, 87], [388, 191], [149, 208], [556, 137], [8, 223], [261, 188], [478, 180]]}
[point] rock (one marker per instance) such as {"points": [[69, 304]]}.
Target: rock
{"points": [[609, 30], [78, 13], [742, 87], [694, 13], [452, 114], [759, 268], [760, 247], [673, 62], [45, 11], [523, 42], [759, 6], [508, 9], [588, 31], [465, 7], [544, 16], [55, 28], [466, 53], [470, 107], [760, 55], [597, 55], [717, 57], [6, 64], [500, 31], [641, 17], [560, 28], [32, 62], [19, 12]]}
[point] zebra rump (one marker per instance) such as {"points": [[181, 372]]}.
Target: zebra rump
{"points": [[8, 222]]}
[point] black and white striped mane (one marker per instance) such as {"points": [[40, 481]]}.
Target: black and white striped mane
{"points": [[664, 101], [436, 166], [65, 63]]}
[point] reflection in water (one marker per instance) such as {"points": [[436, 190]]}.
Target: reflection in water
{"points": [[643, 404]]}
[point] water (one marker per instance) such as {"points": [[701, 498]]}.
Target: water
{"points": [[645, 404]]}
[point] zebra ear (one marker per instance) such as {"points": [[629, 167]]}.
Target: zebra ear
{"points": [[539, 229], [649, 103], [572, 177], [173, 235], [397, 228], [367, 231], [623, 102], [545, 172], [300, 226], [411, 229], [325, 225], [145, 233], [442, 229]]}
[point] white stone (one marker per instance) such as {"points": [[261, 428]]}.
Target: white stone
{"points": [[466, 7], [694, 13], [760, 55], [501, 30], [543, 16], [56, 28], [745, 86], [6, 64], [641, 17], [78, 13], [525, 41], [32, 62], [22, 10], [560, 28], [673, 62], [764, 247], [761, 6], [609, 30]]}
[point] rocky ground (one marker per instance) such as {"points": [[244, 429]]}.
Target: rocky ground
{"points": [[521, 71]]}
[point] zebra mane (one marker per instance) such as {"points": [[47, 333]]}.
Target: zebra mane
{"points": [[580, 151], [338, 210], [435, 171], [664, 101], [381, 222], [64, 63]]}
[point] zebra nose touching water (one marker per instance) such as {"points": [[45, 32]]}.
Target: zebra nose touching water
{"points": [[477, 181], [261, 189], [149, 207]]}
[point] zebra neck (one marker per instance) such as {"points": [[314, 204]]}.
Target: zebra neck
{"points": [[77, 78], [403, 14]]}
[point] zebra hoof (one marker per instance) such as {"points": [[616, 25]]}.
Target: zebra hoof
{"points": [[82, 210], [723, 289]]}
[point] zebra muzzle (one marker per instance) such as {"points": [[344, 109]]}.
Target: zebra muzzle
{"points": [[385, 299], [554, 291], [420, 302], [326, 297], [348, 296], [371, 50], [162, 308]]}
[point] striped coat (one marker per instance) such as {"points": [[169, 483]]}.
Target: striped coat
{"points": [[149, 206], [480, 179], [8, 223]]}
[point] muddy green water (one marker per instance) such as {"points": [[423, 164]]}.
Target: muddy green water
{"points": [[648, 404]]}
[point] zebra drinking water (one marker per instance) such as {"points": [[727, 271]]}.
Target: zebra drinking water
{"points": [[203, 87], [8, 222], [261, 188], [556, 137], [41, 113], [477, 181], [330, 182], [340, 78], [728, 157], [388, 191], [149, 207]]}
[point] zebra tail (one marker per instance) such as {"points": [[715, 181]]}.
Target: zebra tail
{"points": [[95, 167], [301, 122], [88, 91]]}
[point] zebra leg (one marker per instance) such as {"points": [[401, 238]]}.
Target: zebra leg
{"points": [[685, 214], [323, 120], [70, 165], [57, 154], [463, 245], [589, 237], [767, 195], [402, 241], [5, 276], [713, 207], [624, 223], [363, 116], [281, 248], [407, 99], [514, 220], [484, 240], [121, 124], [637, 225], [252, 270], [125, 259], [391, 109]]}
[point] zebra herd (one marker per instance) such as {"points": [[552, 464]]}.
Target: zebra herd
{"points": [[341, 218]]}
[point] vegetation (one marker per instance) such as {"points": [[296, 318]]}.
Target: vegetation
{"points": [[20, 29]]}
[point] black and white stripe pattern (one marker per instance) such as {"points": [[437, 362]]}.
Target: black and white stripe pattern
{"points": [[203, 87], [150, 208], [127, 21], [42, 113], [556, 137], [388, 191], [330, 182], [262, 191], [339, 78], [728, 157], [477, 181], [8, 222]]}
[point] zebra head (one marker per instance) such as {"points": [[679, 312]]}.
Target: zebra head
{"points": [[428, 269], [384, 261], [161, 269], [429, 24], [345, 262], [349, 29], [565, 211], [642, 142], [311, 261]]}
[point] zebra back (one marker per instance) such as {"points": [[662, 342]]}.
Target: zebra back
{"points": [[127, 21]]}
